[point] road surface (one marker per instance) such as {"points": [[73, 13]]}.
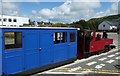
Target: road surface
{"points": [[104, 64]]}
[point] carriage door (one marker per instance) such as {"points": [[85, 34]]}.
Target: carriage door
{"points": [[80, 44], [46, 52], [31, 52], [88, 38], [72, 45], [13, 57]]}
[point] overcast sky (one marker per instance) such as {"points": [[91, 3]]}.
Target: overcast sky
{"points": [[65, 11]]}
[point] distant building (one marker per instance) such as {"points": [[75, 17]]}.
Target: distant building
{"points": [[109, 25], [45, 23], [13, 21]]}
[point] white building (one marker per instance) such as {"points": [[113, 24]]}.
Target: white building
{"points": [[108, 25], [13, 21]]}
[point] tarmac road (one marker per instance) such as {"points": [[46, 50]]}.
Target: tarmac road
{"points": [[97, 65]]}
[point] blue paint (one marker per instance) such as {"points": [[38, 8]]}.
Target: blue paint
{"points": [[1, 53], [38, 49]]}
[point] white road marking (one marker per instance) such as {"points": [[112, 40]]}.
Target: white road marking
{"points": [[94, 56], [74, 69], [117, 57], [99, 66], [110, 61], [111, 56], [102, 64], [102, 59], [91, 63], [117, 53], [82, 60]]}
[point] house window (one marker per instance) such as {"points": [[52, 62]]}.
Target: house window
{"points": [[4, 19], [14, 20], [60, 37], [10, 20], [72, 37], [12, 40], [103, 25]]}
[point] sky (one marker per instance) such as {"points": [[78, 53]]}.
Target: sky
{"points": [[65, 12]]}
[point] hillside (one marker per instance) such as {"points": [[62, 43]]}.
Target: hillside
{"points": [[94, 22]]}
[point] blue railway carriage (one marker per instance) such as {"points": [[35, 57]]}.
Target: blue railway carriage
{"points": [[27, 50]]}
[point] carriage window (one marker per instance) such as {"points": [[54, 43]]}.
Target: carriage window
{"points": [[63, 37], [72, 37], [60, 37], [12, 40], [56, 38], [80, 34]]}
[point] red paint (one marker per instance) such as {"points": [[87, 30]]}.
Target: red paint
{"points": [[94, 45]]}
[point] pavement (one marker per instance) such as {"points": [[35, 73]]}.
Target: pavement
{"points": [[105, 64]]}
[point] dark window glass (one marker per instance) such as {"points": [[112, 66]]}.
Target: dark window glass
{"points": [[103, 25], [4, 19], [60, 37], [63, 37], [80, 34], [14, 20], [10, 20], [0, 19], [56, 38], [12, 40], [72, 37]]}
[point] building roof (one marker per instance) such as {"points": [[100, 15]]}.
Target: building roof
{"points": [[114, 22], [111, 23]]}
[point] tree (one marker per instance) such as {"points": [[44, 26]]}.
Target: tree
{"points": [[41, 26], [79, 24], [58, 25], [31, 22]]}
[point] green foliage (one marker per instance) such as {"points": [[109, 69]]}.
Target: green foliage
{"points": [[58, 25], [41, 26], [31, 22], [93, 23]]}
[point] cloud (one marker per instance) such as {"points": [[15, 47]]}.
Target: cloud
{"points": [[34, 12], [20, 0], [8, 8], [0, 8], [59, 0], [111, 11], [69, 11], [119, 7], [74, 10]]}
